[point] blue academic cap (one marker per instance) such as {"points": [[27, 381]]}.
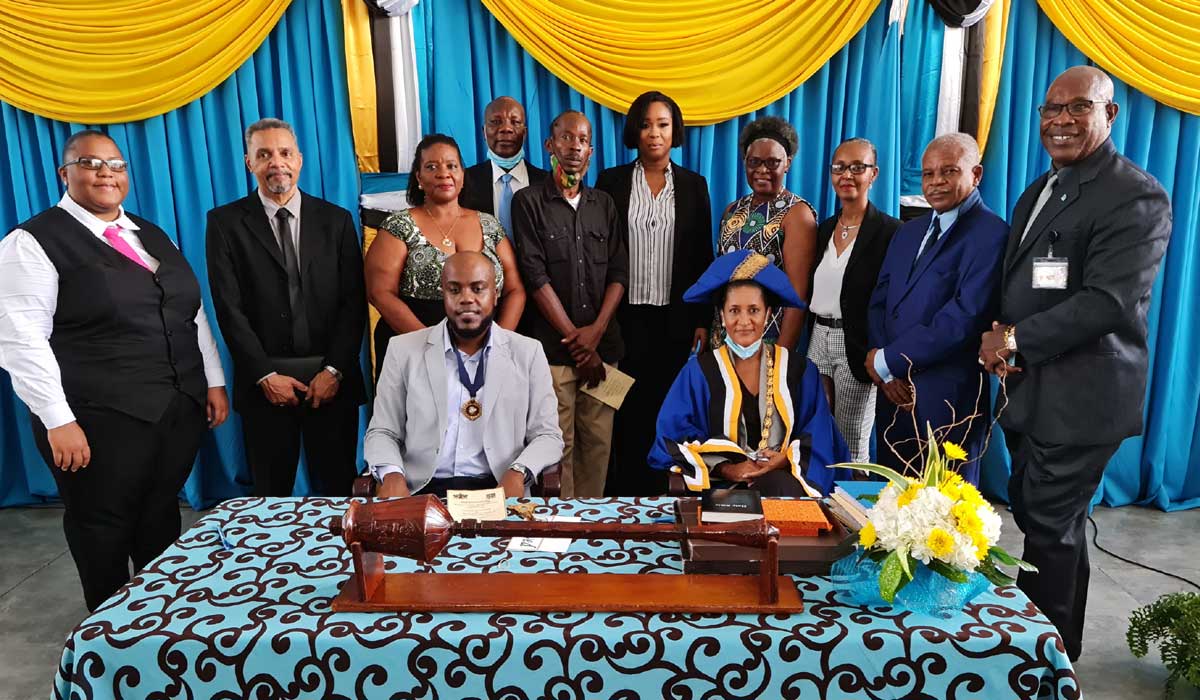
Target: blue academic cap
{"points": [[744, 265]]}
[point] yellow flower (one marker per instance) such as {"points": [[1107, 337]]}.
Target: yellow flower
{"points": [[954, 451], [940, 542], [866, 536], [952, 487], [909, 494], [971, 495], [967, 518], [981, 546]]}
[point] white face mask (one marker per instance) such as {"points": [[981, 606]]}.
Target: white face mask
{"points": [[745, 352]]}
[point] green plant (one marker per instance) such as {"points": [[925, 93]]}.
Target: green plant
{"points": [[1173, 622]]}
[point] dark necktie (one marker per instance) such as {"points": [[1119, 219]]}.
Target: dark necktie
{"points": [[934, 235], [291, 262]]}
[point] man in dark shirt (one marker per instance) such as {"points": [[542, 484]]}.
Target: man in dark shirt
{"points": [[571, 247]]}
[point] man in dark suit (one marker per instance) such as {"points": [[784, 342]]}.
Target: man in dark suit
{"points": [[489, 186], [287, 280], [1086, 241], [937, 291]]}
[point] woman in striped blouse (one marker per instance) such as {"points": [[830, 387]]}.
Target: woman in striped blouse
{"points": [[669, 224]]}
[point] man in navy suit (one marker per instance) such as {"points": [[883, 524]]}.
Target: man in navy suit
{"points": [[938, 290]]}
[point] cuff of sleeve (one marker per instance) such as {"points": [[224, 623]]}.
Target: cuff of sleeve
{"points": [[268, 374], [381, 471], [881, 366], [215, 377], [55, 415]]}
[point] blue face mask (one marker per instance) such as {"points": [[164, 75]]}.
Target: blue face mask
{"points": [[506, 163], [745, 352]]}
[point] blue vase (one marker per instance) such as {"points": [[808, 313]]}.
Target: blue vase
{"points": [[928, 592]]}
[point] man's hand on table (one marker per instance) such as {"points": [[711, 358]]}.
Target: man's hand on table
{"points": [[393, 486]]}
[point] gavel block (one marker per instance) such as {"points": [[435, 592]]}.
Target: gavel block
{"points": [[419, 527]]}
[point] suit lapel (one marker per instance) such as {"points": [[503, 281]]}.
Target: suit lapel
{"points": [[435, 370], [871, 224], [256, 222], [1020, 218], [310, 233], [1062, 197], [501, 371]]}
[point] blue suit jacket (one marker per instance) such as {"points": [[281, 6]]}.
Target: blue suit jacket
{"points": [[935, 316]]}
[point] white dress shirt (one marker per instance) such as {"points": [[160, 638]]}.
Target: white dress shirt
{"points": [[519, 182], [651, 239], [293, 206], [28, 300], [827, 280], [462, 452]]}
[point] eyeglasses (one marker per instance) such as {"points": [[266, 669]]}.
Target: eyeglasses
{"points": [[1078, 108], [117, 165], [770, 163], [854, 168]]}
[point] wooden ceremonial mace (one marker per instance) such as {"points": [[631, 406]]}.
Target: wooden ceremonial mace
{"points": [[419, 527]]}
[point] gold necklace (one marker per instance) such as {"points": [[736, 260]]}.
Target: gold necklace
{"points": [[446, 239], [846, 229]]}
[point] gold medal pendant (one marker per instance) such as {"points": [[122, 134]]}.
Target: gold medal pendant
{"points": [[472, 410]]}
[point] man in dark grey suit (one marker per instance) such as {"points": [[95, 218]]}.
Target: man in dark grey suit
{"points": [[1087, 238]]}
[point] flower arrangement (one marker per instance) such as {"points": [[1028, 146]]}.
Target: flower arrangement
{"points": [[936, 519]]}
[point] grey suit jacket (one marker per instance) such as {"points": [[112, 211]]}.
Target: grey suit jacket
{"points": [[1083, 349], [520, 411]]}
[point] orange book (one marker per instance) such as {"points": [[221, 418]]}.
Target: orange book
{"points": [[796, 518]]}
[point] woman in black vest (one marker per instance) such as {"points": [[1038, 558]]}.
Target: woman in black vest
{"points": [[102, 331], [669, 223], [850, 249]]}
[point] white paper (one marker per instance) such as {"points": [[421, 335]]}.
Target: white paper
{"points": [[544, 544], [484, 504]]}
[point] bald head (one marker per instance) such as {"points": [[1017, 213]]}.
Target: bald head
{"points": [[950, 170], [469, 294], [504, 126], [1078, 114]]}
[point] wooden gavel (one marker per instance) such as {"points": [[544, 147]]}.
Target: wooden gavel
{"points": [[419, 527]]}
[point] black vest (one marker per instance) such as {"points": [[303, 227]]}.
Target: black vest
{"points": [[124, 338]]}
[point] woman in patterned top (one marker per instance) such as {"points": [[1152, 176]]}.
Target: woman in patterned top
{"points": [[767, 221], [404, 269]]}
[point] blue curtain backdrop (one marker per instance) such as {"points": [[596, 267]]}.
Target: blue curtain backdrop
{"points": [[921, 66], [1162, 467], [465, 58], [183, 163]]}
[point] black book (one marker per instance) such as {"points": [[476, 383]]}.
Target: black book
{"points": [[730, 505]]}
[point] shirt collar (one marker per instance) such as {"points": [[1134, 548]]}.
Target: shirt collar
{"points": [[92, 222], [448, 346], [948, 218], [519, 172], [292, 205]]}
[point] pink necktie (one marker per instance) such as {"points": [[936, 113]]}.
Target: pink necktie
{"points": [[112, 234]]}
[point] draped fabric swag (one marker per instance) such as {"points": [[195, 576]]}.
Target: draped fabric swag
{"points": [[719, 59], [1153, 45], [124, 60]]}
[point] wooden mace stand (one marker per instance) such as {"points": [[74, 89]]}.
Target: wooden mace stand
{"points": [[419, 528]]}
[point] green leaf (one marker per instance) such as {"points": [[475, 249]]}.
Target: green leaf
{"points": [[996, 576], [906, 562], [947, 571], [1009, 560], [889, 577], [933, 462], [890, 474]]}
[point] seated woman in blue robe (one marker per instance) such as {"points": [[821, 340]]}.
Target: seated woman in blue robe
{"points": [[749, 413]]}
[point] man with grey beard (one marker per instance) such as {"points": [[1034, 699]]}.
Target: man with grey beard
{"points": [[287, 282]]}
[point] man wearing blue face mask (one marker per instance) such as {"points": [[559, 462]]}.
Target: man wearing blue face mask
{"points": [[489, 186], [748, 413]]}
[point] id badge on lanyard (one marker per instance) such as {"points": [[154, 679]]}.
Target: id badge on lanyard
{"points": [[1050, 272]]}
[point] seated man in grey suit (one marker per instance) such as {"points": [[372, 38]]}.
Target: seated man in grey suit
{"points": [[464, 404]]}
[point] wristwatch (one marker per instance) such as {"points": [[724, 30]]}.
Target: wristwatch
{"points": [[520, 469], [332, 370], [1010, 338]]}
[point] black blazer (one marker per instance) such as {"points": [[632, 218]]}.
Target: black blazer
{"points": [[1083, 349], [250, 289], [693, 234], [862, 274], [477, 186]]}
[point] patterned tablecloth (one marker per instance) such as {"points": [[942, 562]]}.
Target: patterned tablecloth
{"points": [[239, 607]]}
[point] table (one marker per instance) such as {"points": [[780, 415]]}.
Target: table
{"points": [[239, 607]]}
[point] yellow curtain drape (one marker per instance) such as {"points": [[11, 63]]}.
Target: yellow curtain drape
{"points": [[360, 79], [717, 58], [995, 34], [1152, 45], [123, 60]]}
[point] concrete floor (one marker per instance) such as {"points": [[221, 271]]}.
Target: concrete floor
{"points": [[40, 599]]}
